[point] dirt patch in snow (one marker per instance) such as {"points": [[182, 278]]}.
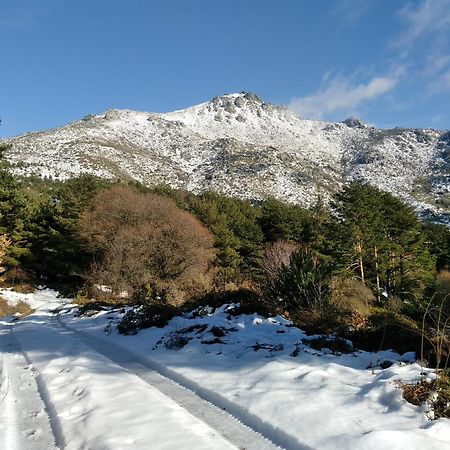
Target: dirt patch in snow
{"points": [[19, 309]]}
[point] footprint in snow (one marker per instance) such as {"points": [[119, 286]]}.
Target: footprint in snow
{"points": [[31, 433], [24, 387], [77, 392], [35, 414]]}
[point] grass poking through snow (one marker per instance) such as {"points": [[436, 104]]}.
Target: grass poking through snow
{"points": [[21, 308]]}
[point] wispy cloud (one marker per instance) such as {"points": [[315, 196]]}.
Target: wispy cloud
{"points": [[441, 85], [341, 95], [431, 19], [352, 10], [426, 40], [418, 52], [437, 61]]}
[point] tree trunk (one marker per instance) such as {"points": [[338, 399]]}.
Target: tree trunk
{"points": [[377, 272], [358, 248]]}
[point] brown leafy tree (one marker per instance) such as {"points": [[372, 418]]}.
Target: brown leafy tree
{"points": [[144, 245]]}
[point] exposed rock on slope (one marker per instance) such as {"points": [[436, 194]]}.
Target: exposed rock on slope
{"points": [[239, 145]]}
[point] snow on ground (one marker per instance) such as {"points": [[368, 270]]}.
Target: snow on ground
{"points": [[91, 402], [260, 369]]}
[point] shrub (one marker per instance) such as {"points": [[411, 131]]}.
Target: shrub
{"points": [[154, 315], [144, 245], [20, 308], [304, 283], [336, 344], [351, 295], [435, 394], [436, 329], [386, 330], [275, 256]]}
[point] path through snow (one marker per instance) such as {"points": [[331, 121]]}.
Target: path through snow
{"points": [[99, 397]]}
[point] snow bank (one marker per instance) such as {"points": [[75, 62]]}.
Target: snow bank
{"points": [[324, 400]]}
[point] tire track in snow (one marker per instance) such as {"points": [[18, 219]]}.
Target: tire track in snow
{"points": [[239, 426], [31, 422]]}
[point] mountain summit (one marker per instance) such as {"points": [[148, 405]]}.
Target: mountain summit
{"points": [[239, 145]]}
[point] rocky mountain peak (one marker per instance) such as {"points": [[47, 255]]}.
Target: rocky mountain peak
{"points": [[354, 122], [239, 105], [239, 145]]}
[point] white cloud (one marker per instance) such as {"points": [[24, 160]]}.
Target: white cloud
{"points": [[430, 19], [425, 40], [342, 95]]}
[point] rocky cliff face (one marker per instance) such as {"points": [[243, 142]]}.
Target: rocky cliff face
{"points": [[239, 145]]}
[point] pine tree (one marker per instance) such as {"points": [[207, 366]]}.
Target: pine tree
{"points": [[382, 242], [15, 212]]}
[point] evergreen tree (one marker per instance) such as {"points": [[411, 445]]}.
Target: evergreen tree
{"points": [[382, 242], [15, 212], [234, 224], [57, 251], [281, 221], [438, 243]]}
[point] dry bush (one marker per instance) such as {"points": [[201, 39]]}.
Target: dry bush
{"points": [[436, 329], [435, 394], [146, 246], [350, 294], [443, 287], [19, 280], [21, 308], [4, 244], [277, 255]]}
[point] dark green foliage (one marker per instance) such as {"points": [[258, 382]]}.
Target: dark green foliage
{"points": [[438, 242], [58, 255], [15, 214], [382, 242], [302, 284], [336, 344], [368, 237], [386, 330], [243, 301], [281, 221], [234, 223], [149, 315]]}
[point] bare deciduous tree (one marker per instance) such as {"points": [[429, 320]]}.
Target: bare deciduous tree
{"points": [[276, 255], [144, 244]]}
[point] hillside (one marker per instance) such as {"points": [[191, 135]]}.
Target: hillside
{"points": [[241, 146]]}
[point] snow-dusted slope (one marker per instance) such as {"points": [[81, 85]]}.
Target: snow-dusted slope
{"points": [[239, 145]]}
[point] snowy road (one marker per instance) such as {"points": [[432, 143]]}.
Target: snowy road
{"points": [[68, 390], [24, 419]]}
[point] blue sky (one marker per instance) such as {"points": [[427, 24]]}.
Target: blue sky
{"points": [[385, 61]]}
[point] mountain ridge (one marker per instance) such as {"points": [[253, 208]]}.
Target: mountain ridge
{"points": [[239, 145]]}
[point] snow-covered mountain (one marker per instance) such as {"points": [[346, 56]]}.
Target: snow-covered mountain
{"points": [[239, 145]]}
